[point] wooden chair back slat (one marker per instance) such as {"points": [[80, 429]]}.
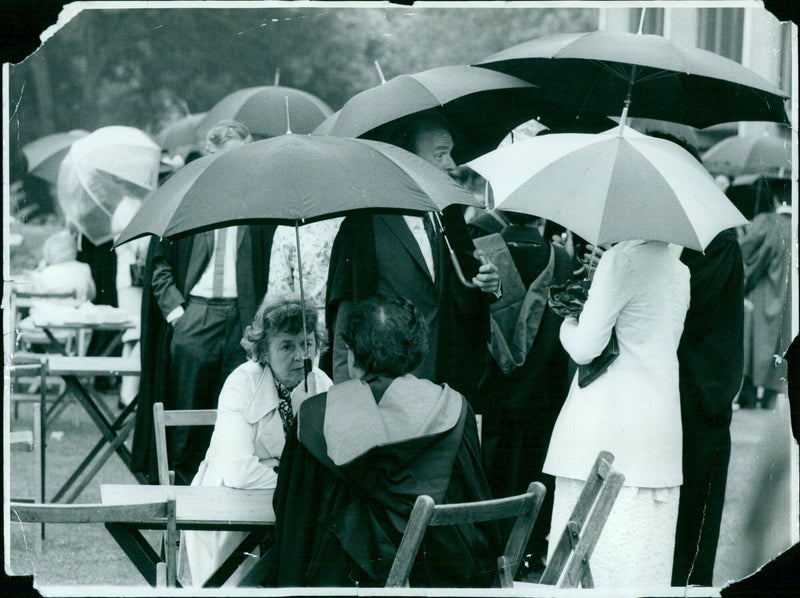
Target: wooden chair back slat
{"points": [[569, 564], [578, 568], [156, 512], [524, 508], [87, 513], [163, 418]]}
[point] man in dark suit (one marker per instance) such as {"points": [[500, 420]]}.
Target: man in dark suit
{"points": [[204, 290], [406, 256], [710, 356]]}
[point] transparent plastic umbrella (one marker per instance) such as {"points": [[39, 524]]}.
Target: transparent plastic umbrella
{"points": [[99, 171], [45, 155]]}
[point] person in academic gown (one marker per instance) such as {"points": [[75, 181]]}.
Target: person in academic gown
{"points": [[406, 256], [192, 323], [360, 455], [526, 380], [710, 357]]}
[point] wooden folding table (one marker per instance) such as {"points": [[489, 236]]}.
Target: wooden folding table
{"points": [[196, 508], [115, 430]]}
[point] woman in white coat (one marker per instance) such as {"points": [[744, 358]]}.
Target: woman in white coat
{"points": [[256, 410], [640, 290]]}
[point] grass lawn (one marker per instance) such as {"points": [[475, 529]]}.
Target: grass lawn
{"points": [[756, 520]]}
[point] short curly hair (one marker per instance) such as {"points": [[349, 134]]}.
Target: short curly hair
{"points": [[224, 130], [283, 314], [387, 335]]}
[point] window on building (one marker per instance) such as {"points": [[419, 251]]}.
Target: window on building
{"points": [[720, 31], [653, 20], [786, 58]]}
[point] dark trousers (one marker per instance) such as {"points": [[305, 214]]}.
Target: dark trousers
{"points": [[705, 474], [513, 457], [205, 350]]}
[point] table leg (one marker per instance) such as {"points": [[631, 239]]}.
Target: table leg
{"points": [[112, 344], [226, 569], [138, 550], [54, 344], [104, 456], [57, 406], [97, 415]]}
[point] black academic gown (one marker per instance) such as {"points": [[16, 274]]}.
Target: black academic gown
{"points": [[341, 525], [156, 334], [710, 357], [520, 409], [462, 314]]}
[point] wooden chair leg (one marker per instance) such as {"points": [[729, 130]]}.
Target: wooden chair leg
{"points": [[171, 556]]}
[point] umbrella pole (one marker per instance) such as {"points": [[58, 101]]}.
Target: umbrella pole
{"points": [[306, 358], [590, 272], [380, 72]]}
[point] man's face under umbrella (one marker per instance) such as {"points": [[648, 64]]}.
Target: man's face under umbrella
{"points": [[434, 145]]}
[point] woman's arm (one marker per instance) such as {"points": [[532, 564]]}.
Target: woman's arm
{"points": [[234, 450], [586, 337]]}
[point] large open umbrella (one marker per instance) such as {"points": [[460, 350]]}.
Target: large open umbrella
{"points": [[610, 187], [597, 72], [180, 136], [45, 155], [263, 111], [99, 171], [760, 155], [292, 180], [481, 105]]}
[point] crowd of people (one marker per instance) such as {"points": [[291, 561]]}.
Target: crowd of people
{"points": [[403, 358]]}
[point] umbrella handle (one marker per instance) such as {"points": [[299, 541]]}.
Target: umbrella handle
{"points": [[457, 267], [306, 372]]}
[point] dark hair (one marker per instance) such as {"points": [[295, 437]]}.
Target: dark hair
{"points": [[284, 314], [387, 335], [519, 219], [677, 141]]}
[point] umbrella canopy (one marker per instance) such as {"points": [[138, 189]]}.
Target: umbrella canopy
{"points": [[753, 193], [263, 111], [293, 179], [180, 137], [458, 92], [45, 155], [750, 154], [610, 187], [594, 73], [99, 171]]}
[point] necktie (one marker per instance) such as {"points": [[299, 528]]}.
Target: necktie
{"points": [[219, 263], [433, 238]]}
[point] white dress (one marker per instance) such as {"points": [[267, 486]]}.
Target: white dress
{"points": [[245, 448], [640, 290]]}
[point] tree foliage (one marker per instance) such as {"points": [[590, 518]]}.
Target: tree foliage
{"points": [[147, 67]]}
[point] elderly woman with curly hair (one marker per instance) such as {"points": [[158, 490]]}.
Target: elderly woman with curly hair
{"points": [[362, 453], [256, 410]]}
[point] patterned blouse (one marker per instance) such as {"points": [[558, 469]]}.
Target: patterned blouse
{"points": [[316, 241]]}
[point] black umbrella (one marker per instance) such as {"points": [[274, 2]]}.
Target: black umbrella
{"points": [[599, 72], [481, 107]]}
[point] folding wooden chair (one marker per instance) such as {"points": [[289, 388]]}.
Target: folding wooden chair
{"points": [[569, 565], [158, 512], [175, 417], [524, 508], [34, 439]]}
